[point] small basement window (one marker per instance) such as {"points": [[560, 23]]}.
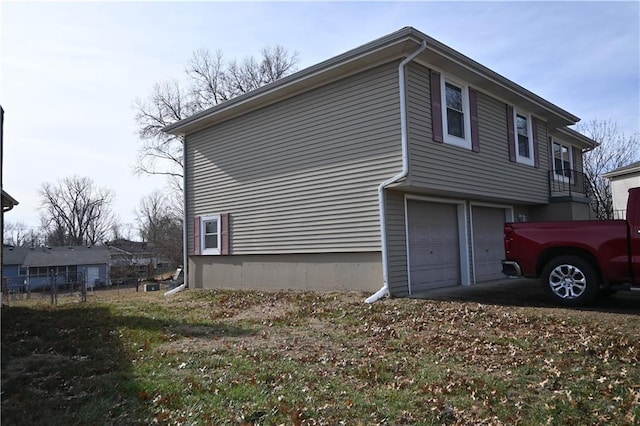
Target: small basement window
{"points": [[210, 226]]}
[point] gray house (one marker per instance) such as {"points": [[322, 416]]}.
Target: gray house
{"points": [[36, 267], [390, 168]]}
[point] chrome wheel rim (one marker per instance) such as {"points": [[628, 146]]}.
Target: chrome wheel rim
{"points": [[567, 281]]}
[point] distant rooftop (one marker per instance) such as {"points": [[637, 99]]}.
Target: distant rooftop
{"points": [[631, 168], [56, 256]]}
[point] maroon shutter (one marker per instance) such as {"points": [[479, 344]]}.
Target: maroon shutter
{"points": [[224, 233], [436, 107], [196, 235], [534, 131], [473, 109], [511, 137]]}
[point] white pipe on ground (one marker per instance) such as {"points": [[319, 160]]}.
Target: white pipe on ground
{"points": [[175, 290], [384, 291]]}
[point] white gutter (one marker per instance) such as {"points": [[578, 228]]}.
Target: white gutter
{"points": [[175, 290], [185, 257], [384, 291]]}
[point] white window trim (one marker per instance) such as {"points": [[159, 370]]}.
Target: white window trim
{"points": [[447, 138], [204, 250], [556, 176], [531, 161]]}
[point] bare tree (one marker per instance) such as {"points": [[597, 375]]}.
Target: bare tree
{"points": [[211, 81], [615, 150], [160, 225], [121, 230], [20, 235], [161, 153], [75, 212]]}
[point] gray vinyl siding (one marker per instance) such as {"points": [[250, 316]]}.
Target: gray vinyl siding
{"points": [[458, 171], [578, 163], [397, 243], [301, 176]]}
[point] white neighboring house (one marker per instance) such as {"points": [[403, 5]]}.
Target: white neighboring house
{"points": [[621, 180]]}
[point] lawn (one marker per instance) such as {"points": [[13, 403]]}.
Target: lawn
{"points": [[307, 358]]}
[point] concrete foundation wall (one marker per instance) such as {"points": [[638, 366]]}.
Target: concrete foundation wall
{"points": [[561, 211], [322, 271]]}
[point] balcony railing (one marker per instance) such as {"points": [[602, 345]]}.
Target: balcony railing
{"points": [[567, 182]]}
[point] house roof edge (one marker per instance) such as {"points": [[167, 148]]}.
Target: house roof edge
{"points": [[406, 34]]}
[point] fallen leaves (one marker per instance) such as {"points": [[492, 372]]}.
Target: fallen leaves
{"points": [[302, 358]]}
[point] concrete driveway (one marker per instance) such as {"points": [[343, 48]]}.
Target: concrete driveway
{"points": [[526, 292]]}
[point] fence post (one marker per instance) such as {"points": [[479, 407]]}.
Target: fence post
{"points": [[54, 287], [84, 287]]}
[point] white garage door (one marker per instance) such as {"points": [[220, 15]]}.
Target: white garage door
{"points": [[434, 252], [488, 243]]}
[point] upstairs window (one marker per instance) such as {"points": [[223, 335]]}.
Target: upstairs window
{"points": [[455, 113], [455, 110], [524, 138], [562, 160], [524, 147]]}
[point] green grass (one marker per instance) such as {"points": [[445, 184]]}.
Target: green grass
{"points": [[234, 357]]}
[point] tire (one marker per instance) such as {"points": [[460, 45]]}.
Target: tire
{"points": [[570, 281]]}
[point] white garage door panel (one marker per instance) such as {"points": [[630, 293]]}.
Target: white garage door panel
{"points": [[434, 252], [488, 242]]}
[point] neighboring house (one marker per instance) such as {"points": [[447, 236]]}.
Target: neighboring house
{"points": [[37, 267], [621, 180], [395, 164], [133, 259], [8, 202]]}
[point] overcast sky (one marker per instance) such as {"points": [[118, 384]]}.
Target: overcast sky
{"points": [[71, 71]]}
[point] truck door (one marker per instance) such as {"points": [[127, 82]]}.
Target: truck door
{"points": [[633, 217]]}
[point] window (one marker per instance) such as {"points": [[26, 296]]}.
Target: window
{"points": [[524, 138], [562, 160], [39, 271], [455, 113], [210, 226]]}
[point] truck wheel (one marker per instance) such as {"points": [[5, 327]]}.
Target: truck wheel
{"points": [[570, 281]]}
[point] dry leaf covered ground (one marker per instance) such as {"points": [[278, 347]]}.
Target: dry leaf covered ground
{"points": [[246, 357]]}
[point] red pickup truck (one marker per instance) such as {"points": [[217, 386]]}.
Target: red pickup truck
{"points": [[577, 260]]}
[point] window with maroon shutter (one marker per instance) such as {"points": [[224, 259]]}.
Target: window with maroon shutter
{"points": [[454, 112], [211, 234], [521, 136]]}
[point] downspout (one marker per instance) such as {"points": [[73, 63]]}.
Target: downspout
{"points": [[185, 257], [384, 291]]}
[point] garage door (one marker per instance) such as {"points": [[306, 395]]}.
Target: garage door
{"points": [[488, 243], [434, 252]]}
